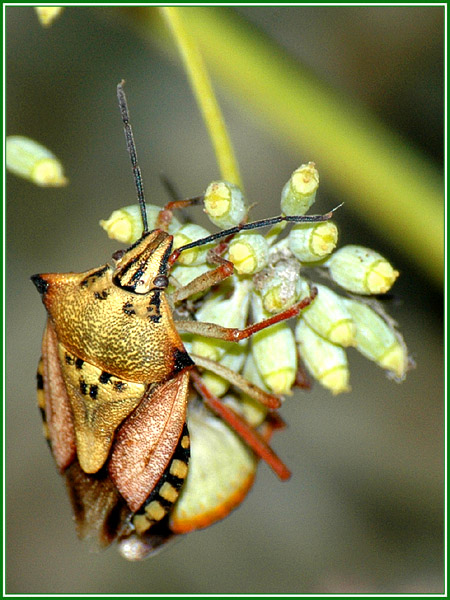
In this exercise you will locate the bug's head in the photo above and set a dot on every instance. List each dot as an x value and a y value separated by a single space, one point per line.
143 267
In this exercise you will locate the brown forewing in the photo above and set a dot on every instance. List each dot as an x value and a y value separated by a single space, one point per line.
58 412
146 441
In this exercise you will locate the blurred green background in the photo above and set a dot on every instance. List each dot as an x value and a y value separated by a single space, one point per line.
363 512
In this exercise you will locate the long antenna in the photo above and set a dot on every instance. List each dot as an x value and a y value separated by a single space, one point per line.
131 147
257 225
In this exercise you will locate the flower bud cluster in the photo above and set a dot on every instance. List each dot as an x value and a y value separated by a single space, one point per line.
272 274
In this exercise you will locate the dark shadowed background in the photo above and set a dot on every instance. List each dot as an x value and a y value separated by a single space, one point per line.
363 511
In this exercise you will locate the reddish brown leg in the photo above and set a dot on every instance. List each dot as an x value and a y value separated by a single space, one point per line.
230 334
165 214
251 437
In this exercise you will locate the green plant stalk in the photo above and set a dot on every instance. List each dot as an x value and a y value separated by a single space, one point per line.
399 191
204 94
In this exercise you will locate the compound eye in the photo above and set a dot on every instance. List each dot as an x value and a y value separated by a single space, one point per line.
161 281
118 255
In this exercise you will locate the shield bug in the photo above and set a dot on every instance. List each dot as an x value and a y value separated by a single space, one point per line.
115 381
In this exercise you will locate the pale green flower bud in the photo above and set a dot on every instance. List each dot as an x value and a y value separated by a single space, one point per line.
377 340
279 293
248 252
233 359
227 307
361 270
125 224
47 14
224 204
274 352
190 233
30 160
251 373
216 384
313 241
253 411
325 361
279 284
299 193
329 317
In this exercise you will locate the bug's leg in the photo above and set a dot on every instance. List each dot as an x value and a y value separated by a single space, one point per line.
165 214
302 379
206 280
238 381
231 334
249 435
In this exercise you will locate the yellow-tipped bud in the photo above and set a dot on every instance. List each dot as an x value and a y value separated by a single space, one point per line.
125 224
253 411
215 383
224 204
30 160
299 193
47 14
280 284
361 270
274 352
190 233
377 340
248 252
313 241
273 297
279 294
325 361
329 317
233 358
